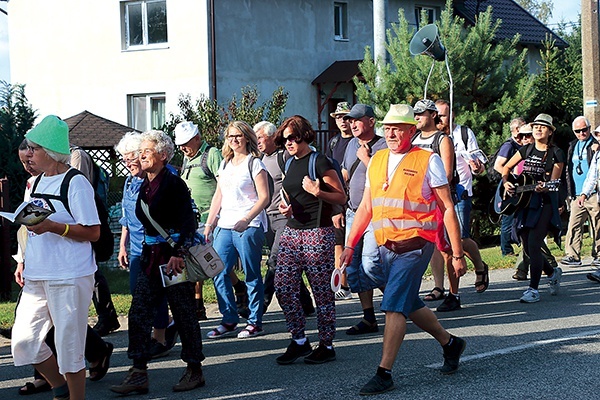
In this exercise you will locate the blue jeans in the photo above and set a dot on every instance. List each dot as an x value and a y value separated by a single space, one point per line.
365 272
463 212
246 245
506 235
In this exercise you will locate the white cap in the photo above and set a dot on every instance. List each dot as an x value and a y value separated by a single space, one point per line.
597 129
184 132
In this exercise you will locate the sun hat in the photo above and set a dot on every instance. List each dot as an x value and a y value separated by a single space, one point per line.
543 119
184 132
597 129
527 128
341 109
423 105
52 134
359 111
400 114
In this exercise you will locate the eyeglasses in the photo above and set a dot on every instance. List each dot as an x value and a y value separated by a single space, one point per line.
236 137
129 160
147 152
33 148
525 135
582 130
292 138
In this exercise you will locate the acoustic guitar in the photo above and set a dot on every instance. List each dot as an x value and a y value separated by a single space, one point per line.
524 187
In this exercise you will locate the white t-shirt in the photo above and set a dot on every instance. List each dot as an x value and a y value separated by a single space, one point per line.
238 193
462 165
434 177
51 257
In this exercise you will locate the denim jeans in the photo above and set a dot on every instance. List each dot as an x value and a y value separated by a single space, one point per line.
506 235
246 245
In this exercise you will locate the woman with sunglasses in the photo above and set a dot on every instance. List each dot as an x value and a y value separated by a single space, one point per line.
307 242
239 203
543 162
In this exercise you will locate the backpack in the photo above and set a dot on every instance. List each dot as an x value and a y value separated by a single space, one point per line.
101 182
105 245
436 149
493 175
202 164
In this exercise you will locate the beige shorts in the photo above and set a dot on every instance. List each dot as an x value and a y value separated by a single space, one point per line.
63 304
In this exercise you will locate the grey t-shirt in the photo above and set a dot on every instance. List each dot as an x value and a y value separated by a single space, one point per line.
356 186
273 168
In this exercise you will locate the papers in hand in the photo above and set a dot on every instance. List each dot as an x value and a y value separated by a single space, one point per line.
473 155
171 279
27 214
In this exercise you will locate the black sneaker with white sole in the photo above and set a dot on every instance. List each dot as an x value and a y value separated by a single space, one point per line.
294 352
452 353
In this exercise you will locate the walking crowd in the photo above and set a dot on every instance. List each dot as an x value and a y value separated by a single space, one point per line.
380 208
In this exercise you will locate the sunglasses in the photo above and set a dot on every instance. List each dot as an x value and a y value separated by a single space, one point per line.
524 135
581 130
292 138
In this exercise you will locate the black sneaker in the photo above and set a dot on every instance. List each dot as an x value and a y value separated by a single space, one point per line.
104 327
451 303
293 352
452 355
377 385
320 355
158 349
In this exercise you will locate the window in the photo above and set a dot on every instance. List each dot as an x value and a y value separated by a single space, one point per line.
340 21
146 111
145 23
429 11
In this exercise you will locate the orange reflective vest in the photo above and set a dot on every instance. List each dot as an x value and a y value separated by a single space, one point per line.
399 210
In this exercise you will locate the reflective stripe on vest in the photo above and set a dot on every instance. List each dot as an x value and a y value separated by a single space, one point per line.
401 212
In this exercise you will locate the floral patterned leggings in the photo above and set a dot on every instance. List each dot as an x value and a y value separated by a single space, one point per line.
311 251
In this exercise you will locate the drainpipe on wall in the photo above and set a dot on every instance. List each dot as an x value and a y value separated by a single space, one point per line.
379 24
213 52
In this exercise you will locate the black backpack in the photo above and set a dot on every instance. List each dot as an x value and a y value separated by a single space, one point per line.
493 175
105 245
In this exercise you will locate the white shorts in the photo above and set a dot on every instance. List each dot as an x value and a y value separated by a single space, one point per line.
63 304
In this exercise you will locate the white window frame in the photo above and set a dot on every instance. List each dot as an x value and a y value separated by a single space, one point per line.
419 8
132 118
125 26
340 16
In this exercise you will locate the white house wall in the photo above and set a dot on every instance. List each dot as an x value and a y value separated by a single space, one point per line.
69 54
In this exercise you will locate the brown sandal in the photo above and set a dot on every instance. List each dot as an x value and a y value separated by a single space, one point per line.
435 294
485 280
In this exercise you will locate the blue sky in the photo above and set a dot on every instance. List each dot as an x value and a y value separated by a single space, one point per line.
564 10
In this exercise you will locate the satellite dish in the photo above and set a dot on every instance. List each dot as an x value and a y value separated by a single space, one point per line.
427 41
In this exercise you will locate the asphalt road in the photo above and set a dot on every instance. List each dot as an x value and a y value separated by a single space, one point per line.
546 350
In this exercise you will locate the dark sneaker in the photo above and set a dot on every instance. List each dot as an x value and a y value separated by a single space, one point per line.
452 355
190 380
451 303
377 385
570 260
135 381
594 276
158 349
520 275
201 314
293 352
104 327
320 355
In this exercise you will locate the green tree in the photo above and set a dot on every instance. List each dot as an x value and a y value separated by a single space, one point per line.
541 9
16 118
212 118
491 80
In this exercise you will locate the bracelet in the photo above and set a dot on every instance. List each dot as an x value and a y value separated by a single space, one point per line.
207 224
348 247
66 230
458 258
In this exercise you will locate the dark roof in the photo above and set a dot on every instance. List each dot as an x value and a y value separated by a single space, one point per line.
93 132
515 19
339 71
